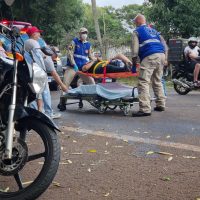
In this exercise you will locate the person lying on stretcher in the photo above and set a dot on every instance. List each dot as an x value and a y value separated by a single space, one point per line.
120 63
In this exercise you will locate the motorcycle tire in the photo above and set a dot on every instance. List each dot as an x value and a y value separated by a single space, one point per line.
51 157
181 90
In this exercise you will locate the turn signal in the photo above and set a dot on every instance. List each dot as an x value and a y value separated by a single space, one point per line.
19 57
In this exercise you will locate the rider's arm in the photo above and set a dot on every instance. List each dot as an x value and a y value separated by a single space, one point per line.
192 55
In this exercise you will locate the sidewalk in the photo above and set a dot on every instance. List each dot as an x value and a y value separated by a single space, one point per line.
96 168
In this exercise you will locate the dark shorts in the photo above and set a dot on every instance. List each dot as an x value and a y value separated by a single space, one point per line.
191 66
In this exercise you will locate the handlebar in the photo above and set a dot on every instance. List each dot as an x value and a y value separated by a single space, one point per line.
5 26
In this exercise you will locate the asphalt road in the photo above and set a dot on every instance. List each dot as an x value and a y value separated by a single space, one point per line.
179 123
153 158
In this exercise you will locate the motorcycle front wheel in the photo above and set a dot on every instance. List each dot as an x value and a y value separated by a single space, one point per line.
181 90
35 161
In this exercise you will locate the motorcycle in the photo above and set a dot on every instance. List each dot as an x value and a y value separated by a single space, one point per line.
29 146
182 78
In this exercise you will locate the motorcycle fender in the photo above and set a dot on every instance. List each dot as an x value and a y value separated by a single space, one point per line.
26 112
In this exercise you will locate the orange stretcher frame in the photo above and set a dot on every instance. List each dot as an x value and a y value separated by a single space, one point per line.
111 75
105 75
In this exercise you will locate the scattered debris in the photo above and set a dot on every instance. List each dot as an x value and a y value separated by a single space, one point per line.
106 195
170 158
106 152
56 184
27 183
165 178
118 146
92 151
69 161
193 157
164 153
78 153
150 152
89 170
5 190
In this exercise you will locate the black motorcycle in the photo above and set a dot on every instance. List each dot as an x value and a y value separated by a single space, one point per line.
29 146
182 78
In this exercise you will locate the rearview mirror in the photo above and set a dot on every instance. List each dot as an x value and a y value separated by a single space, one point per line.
9 2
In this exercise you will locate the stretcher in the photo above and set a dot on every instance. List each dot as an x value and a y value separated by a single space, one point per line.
104 96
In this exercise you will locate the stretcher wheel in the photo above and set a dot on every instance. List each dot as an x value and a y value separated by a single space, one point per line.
102 109
112 108
80 104
126 109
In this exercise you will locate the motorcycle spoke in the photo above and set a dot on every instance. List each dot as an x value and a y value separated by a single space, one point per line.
18 181
36 156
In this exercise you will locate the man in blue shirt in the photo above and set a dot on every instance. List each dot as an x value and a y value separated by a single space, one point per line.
78 54
150 47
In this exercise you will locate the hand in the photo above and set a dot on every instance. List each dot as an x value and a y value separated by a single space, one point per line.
75 68
166 63
129 63
64 88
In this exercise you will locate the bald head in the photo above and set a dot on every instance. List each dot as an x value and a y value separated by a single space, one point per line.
139 20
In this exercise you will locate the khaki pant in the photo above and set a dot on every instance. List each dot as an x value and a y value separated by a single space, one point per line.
151 70
70 74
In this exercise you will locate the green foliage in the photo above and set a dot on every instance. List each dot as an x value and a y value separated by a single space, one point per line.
113 25
175 17
55 17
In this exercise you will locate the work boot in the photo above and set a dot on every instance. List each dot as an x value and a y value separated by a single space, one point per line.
140 114
159 108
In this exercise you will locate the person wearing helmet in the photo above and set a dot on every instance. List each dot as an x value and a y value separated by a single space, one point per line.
78 54
191 53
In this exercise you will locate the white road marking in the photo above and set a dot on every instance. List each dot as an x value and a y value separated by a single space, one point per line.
135 139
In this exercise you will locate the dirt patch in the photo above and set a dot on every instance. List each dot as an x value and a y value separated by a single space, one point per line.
96 168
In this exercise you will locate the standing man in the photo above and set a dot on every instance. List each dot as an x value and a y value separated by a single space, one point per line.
149 46
32 43
78 54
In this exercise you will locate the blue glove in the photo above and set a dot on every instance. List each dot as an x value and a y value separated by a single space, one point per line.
75 68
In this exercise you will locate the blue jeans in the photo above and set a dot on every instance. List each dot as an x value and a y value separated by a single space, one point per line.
46 97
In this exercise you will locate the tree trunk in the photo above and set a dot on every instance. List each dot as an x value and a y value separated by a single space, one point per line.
96 24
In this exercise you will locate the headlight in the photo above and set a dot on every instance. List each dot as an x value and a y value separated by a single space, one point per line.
39 79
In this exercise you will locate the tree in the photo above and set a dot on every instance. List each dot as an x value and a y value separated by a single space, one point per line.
175 17
55 17
96 25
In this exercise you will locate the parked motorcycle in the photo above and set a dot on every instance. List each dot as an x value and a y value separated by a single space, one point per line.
183 79
29 146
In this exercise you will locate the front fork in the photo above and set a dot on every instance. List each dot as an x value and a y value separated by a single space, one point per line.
11 123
